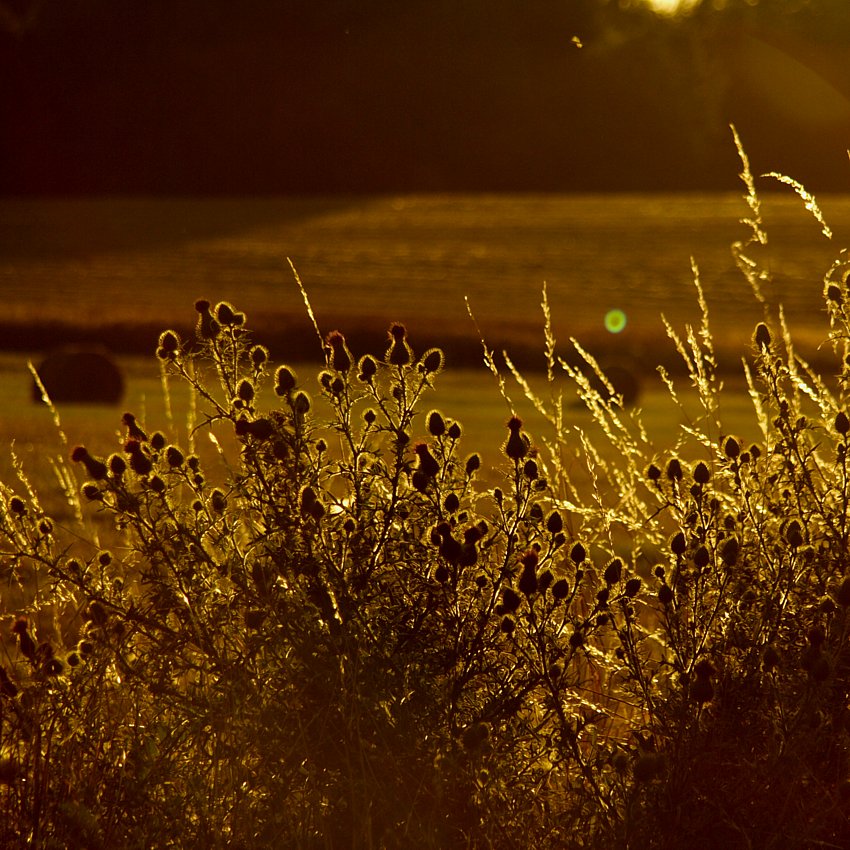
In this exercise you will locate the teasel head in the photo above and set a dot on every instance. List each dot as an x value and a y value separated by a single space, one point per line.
632 587
472 465
301 404
510 600
731 448
436 424
134 431
228 316
117 466
613 571
339 358
674 470
91 491
245 393
95 468
259 355
702 474
207 327
431 362
449 547
678 544
517 445
174 457
399 352
832 292
368 367
561 589
140 463
218 501
528 583
169 345
427 462
729 550
762 338
285 380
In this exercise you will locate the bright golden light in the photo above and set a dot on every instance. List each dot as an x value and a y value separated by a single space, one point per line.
671 7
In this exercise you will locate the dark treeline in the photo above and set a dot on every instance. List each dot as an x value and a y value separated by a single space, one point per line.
116 96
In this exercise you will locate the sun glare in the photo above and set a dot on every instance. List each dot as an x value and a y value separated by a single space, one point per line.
670 7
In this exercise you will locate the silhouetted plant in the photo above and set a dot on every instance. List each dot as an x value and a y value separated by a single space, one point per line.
354 634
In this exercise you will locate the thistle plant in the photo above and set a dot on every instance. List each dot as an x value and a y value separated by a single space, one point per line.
336 626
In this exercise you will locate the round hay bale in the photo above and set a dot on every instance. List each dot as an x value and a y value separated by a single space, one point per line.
78 376
625 382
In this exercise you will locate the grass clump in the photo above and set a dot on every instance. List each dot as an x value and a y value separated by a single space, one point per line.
350 631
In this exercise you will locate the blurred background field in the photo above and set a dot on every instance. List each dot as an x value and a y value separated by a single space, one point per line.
112 273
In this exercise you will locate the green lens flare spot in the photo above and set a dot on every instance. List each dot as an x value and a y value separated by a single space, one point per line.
615 321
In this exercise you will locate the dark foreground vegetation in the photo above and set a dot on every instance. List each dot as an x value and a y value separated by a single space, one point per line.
360 637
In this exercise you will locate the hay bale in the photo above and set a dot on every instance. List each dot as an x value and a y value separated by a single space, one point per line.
78 376
624 380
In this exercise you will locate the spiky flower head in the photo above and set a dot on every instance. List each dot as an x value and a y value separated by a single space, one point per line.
134 430
368 368
95 468
174 457
427 462
227 315
436 424
259 356
432 361
168 346
245 391
399 353
731 448
208 327
762 337
613 571
339 357
561 589
218 501
140 463
301 404
833 293
702 474
516 447
674 470
285 380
